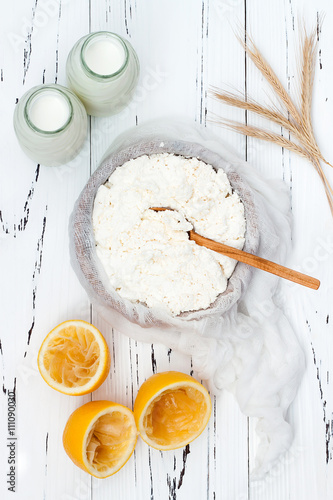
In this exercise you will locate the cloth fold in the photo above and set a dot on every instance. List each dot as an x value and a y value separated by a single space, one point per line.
249 348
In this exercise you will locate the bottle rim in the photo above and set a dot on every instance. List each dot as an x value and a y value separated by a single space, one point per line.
105 34
48 88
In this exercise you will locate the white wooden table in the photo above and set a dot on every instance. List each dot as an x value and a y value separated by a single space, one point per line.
184 47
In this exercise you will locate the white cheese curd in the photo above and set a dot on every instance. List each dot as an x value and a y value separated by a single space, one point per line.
147 255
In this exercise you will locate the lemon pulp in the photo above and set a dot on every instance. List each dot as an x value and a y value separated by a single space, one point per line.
72 356
108 441
175 416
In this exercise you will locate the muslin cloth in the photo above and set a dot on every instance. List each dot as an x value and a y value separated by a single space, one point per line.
243 343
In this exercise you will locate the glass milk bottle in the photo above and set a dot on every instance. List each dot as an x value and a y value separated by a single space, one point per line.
50 123
103 70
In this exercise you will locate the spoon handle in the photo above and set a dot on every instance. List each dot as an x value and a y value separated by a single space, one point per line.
255 261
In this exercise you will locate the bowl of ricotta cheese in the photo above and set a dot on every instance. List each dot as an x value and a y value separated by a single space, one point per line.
131 256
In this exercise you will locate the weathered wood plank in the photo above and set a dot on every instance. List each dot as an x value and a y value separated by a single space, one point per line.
312 225
41 289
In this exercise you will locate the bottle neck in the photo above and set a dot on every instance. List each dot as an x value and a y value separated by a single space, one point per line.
48 110
104 56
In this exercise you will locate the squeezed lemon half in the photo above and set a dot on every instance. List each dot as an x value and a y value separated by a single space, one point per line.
74 358
171 410
100 437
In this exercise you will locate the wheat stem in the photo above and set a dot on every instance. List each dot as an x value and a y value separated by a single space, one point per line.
327 163
327 186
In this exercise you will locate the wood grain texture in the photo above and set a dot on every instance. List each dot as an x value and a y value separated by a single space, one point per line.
184 48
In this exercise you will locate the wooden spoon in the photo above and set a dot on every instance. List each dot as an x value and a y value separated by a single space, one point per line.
252 260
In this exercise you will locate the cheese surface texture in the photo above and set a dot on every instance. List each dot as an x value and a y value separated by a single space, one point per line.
147 255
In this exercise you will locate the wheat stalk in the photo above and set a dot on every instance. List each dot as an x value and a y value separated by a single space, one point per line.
294 118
